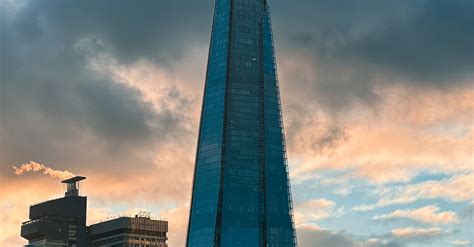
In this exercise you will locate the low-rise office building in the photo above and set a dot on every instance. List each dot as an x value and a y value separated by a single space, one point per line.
140 231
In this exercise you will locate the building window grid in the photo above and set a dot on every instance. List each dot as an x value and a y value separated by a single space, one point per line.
268 66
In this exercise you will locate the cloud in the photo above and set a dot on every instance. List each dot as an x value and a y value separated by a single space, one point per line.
457 188
354 48
316 132
44 107
468 212
144 33
36 167
461 243
311 235
404 136
16 195
341 186
156 84
429 215
425 47
133 118
363 207
320 237
417 233
314 210
318 203
116 94
178 224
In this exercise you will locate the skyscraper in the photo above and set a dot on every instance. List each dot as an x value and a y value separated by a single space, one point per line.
241 192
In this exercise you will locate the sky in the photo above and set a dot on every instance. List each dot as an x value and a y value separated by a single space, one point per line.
377 101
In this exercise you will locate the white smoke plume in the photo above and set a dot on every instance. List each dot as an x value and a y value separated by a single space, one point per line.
36 167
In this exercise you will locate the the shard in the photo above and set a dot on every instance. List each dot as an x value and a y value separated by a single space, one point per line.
241 191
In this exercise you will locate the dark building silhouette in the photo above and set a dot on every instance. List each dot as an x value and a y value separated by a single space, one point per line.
241 190
62 223
58 222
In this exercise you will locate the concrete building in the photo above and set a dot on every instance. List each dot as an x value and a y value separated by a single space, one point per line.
59 222
140 230
62 223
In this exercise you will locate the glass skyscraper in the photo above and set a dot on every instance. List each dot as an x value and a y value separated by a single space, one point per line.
241 192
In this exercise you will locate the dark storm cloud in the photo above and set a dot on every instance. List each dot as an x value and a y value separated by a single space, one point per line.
158 30
426 43
320 135
359 45
435 47
51 101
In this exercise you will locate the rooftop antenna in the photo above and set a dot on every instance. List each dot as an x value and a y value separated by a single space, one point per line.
72 186
143 214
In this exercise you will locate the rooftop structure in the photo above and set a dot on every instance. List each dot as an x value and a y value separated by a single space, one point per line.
73 185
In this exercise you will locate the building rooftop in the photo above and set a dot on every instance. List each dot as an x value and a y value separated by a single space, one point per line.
73 179
124 222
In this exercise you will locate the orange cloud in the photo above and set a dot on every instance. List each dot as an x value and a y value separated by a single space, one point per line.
402 136
16 195
178 224
429 214
317 209
412 130
158 85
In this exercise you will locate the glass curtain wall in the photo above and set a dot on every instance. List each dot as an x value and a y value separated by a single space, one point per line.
241 192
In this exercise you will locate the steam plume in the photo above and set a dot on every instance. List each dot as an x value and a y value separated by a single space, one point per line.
36 167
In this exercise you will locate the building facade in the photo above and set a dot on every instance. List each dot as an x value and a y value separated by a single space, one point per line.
60 222
241 190
138 231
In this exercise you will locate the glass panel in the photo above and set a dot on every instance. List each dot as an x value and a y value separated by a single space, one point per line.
203 213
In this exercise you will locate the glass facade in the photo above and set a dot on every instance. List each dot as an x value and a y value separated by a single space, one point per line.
241 192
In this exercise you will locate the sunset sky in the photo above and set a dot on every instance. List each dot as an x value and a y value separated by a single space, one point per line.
377 96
